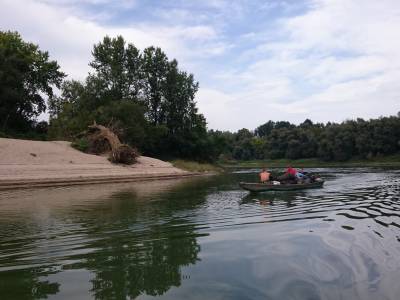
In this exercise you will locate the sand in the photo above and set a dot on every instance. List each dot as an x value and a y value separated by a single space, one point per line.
25 163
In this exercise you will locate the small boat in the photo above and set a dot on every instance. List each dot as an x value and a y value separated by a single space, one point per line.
264 187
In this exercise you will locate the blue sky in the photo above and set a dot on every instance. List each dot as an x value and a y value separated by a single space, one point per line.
327 60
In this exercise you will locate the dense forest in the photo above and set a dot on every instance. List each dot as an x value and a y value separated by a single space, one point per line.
149 102
329 142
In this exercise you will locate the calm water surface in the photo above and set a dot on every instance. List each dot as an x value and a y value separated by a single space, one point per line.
204 238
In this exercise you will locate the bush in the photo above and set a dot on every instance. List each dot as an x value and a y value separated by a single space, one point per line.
81 144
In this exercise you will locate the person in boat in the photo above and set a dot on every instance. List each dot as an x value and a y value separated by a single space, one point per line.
265 176
304 177
300 177
303 172
289 176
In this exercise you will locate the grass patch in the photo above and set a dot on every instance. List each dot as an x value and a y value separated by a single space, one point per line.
193 166
385 161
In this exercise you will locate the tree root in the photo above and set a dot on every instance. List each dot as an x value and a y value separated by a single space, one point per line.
102 140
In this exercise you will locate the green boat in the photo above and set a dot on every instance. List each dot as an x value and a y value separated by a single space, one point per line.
264 187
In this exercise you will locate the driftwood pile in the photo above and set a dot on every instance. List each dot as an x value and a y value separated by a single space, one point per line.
101 140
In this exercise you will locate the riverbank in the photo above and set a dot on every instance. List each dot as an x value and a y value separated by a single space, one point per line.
193 166
26 163
388 161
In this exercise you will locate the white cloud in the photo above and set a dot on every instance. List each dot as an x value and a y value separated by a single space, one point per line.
113 3
70 38
213 104
339 59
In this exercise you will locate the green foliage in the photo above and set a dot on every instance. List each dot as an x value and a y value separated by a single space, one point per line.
126 118
384 161
331 142
221 144
27 76
143 96
81 144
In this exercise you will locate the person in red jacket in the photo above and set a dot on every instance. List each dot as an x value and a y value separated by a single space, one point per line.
291 171
290 175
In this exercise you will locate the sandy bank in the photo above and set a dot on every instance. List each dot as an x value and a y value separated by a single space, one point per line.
26 163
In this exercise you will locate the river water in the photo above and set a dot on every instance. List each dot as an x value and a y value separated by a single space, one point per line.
204 238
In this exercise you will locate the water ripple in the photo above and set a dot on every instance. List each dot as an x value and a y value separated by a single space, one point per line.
344 235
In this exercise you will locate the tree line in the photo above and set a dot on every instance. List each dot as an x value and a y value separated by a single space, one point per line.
149 102
363 139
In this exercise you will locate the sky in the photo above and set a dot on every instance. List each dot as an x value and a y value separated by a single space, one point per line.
326 60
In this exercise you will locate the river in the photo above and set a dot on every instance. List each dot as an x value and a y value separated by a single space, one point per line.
204 238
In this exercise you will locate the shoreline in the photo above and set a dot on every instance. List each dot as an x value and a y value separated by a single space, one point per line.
384 162
10 184
30 164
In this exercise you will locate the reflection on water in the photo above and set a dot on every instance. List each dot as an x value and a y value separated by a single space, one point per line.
204 238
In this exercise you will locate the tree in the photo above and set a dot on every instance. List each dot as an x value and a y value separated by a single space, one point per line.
117 68
143 95
155 68
27 77
265 129
221 144
294 149
283 124
306 124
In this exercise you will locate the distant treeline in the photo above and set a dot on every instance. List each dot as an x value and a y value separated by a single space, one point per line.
149 102
330 142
